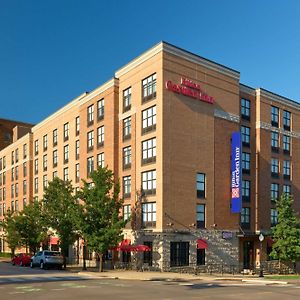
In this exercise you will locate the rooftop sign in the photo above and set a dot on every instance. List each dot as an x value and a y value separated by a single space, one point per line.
189 88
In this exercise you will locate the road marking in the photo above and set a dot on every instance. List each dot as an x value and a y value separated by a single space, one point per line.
23 287
78 286
19 292
57 289
185 283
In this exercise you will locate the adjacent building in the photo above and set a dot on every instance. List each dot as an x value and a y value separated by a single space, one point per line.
164 125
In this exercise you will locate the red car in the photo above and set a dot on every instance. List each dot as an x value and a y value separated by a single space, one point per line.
21 259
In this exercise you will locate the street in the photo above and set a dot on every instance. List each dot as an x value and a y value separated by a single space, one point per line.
25 283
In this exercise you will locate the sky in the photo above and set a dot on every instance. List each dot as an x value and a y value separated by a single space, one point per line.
51 51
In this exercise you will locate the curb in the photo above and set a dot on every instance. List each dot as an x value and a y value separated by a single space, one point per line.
265 282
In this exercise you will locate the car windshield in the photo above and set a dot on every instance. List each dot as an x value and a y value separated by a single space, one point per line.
51 253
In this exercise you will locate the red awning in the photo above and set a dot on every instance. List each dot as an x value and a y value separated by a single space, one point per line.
201 244
54 240
140 248
126 247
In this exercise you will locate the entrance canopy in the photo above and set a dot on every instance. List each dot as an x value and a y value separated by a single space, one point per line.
54 240
125 246
201 244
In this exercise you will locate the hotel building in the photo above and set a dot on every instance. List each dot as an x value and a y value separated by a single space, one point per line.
164 125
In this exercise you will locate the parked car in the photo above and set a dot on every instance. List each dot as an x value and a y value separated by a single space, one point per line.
21 259
45 259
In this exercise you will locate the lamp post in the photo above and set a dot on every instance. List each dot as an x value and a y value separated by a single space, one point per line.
261 238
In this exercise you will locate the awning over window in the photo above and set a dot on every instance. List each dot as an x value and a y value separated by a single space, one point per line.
201 244
54 240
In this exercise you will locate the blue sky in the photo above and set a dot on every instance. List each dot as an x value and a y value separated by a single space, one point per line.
53 50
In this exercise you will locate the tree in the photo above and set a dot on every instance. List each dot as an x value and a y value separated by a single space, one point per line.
31 227
61 211
12 236
101 224
286 233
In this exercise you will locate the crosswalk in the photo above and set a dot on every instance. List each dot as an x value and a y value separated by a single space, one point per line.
24 279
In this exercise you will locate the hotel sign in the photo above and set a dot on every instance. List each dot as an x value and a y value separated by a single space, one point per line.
236 173
189 88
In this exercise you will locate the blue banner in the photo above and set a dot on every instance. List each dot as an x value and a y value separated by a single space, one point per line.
236 173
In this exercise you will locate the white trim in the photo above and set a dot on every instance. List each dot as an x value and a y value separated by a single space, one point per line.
269 127
247 90
226 116
127 114
282 100
162 46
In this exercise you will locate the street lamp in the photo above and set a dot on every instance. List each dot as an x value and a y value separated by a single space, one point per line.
261 238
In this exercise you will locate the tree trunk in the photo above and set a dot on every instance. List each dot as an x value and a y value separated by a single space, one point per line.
100 262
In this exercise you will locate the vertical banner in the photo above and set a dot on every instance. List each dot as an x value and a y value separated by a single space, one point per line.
236 173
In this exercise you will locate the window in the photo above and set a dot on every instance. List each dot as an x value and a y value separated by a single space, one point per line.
126 157
54 137
100 109
66 174
36 147
77 126
12 157
1 194
17 172
45 142
179 255
200 257
24 169
245 109
17 189
12 174
100 136
149 88
77 149
55 158
274 141
127 99
274 217
286 144
245 218
90 165
149 119
127 128
149 214
126 212
12 190
100 160
200 215
17 205
200 185
17 155
12 206
126 186
286 120
54 174
36 166
24 151
246 190
77 176
274 116
148 255
45 162
274 167
24 202
66 131
90 115
149 182
45 182
4 162
274 191
4 177
245 132
287 189
286 169
24 187
66 154
1 166
246 163
4 194
90 140
149 151
36 185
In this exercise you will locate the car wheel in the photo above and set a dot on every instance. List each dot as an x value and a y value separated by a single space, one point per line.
42 266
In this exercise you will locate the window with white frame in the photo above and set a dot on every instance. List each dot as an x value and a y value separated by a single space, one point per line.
149 182
286 169
77 149
127 99
66 174
286 141
45 142
36 166
55 137
17 172
200 216
149 214
286 120
274 141
126 212
24 151
127 157
274 116
77 175
126 186
66 131
17 189
36 184
274 191
100 109
45 162
90 115
100 136
77 125
149 119
55 158
24 187
200 185
36 147
127 128
45 181
100 160
149 151
66 154
149 87
90 140
275 167
90 165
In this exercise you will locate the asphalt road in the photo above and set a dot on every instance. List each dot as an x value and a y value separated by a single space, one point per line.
25 283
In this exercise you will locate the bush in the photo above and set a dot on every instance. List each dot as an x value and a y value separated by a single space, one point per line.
5 254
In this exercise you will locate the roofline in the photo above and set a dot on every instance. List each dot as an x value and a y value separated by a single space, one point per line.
247 89
169 48
17 142
20 122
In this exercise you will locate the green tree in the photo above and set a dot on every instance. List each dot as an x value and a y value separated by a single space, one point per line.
286 233
12 236
61 211
31 226
101 224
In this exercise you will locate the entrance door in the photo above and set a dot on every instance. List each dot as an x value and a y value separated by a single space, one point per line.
248 255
